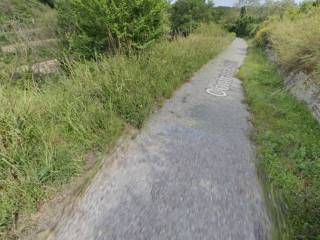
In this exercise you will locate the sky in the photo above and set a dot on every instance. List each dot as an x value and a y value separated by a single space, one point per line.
231 3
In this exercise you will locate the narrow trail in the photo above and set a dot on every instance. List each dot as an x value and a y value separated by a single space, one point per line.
189 174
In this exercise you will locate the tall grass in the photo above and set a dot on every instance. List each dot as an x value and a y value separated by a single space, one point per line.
46 131
28 28
296 40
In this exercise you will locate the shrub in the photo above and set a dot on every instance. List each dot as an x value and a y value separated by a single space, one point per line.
244 25
308 6
262 37
186 15
98 26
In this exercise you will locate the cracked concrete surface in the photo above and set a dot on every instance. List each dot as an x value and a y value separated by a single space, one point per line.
189 174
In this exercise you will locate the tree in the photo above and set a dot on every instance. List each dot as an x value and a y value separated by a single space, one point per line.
91 26
186 15
243 12
244 25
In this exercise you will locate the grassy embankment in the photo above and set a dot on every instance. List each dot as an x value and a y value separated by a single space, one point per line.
288 149
295 38
287 135
47 129
29 29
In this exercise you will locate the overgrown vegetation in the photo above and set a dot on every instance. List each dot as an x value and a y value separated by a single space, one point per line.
245 25
28 28
295 37
120 63
287 135
94 26
47 128
187 15
288 141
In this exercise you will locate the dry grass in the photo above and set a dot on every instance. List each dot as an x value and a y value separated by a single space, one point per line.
297 42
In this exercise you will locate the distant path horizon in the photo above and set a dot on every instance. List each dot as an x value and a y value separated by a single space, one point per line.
189 174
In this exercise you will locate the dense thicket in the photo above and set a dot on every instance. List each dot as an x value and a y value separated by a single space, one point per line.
98 26
186 15
244 25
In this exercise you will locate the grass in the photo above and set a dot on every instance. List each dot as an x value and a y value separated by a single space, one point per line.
22 23
46 130
288 149
20 12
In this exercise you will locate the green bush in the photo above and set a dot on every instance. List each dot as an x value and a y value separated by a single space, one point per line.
244 25
98 26
186 15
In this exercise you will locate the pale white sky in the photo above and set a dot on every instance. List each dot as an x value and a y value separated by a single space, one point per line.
231 3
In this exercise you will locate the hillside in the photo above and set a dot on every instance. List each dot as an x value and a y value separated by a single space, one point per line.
22 14
26 27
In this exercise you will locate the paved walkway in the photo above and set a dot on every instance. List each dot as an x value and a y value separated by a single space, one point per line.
190 173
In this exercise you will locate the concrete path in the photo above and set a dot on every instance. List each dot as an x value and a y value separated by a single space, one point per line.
190 173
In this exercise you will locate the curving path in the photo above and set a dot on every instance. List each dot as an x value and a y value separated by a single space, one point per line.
189 174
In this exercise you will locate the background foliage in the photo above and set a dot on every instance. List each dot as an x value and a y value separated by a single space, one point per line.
186 15
295 37
245 25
